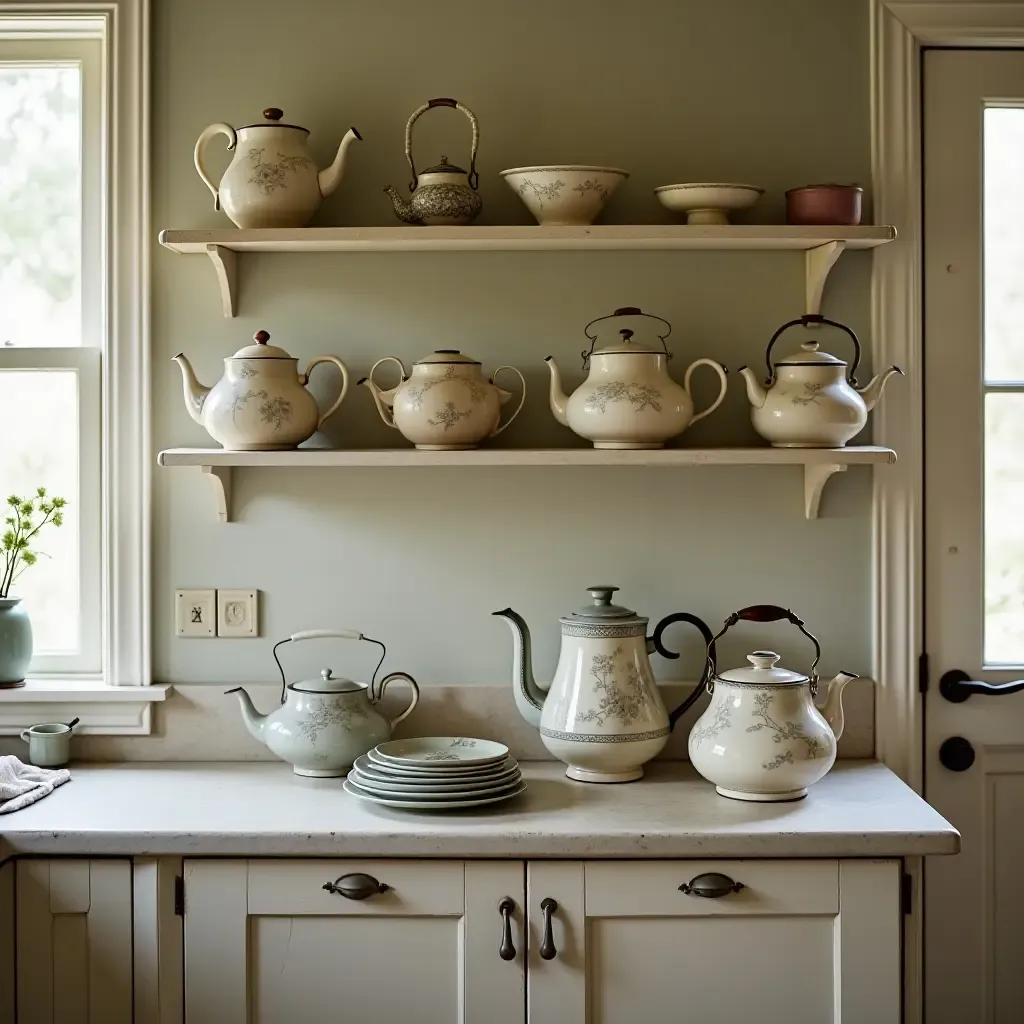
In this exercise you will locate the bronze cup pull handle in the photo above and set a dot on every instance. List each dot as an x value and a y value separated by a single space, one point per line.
711 885
356 886
547 943
507 950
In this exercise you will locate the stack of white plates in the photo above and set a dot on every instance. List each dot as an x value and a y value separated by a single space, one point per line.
436 773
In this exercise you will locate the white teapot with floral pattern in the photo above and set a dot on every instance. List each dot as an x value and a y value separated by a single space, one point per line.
762 737
629 400
324 724
602 715
262 402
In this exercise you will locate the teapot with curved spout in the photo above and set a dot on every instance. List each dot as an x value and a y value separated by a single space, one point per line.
272 181
810 399
762 737
444 194
262 402
602 714
323 725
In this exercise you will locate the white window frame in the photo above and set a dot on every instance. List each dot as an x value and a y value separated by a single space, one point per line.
120 701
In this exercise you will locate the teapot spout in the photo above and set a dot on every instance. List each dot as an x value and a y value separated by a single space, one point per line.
557 397
833 707
195 393
872 391
756 393
402 208
254 721
528 695
330 177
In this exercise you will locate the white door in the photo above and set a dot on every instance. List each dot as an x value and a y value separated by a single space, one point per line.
267 943
801 942
974 530
74 941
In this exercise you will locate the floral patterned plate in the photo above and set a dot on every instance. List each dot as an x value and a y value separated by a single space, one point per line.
430 805
441 771
441 752
504 772
464 792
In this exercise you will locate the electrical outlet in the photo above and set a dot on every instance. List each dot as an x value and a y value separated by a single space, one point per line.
195 613
237 613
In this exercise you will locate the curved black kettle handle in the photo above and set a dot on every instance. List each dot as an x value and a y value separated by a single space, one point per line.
709 641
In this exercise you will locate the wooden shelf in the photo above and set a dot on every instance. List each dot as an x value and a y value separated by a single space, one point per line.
822 245
819 464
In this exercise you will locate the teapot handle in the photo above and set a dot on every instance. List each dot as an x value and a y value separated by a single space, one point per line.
405 678
655 643
522 398
321 634
806 320
765 613
344 384
443 101
721 371
211 130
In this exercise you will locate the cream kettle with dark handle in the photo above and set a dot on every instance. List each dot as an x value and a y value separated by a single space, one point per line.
324 724
762 737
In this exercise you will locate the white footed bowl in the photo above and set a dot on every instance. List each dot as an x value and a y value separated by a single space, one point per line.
572 194
707 203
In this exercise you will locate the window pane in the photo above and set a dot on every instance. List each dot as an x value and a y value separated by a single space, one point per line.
1004 529
40 449
40 205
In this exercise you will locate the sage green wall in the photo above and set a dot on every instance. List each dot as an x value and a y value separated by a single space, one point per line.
734 90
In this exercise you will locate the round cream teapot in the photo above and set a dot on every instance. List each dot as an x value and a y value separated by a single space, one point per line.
261 403
628 399
272 181
762 738
809 400
447 404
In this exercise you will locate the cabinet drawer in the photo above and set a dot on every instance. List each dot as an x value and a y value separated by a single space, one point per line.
651 888
416 889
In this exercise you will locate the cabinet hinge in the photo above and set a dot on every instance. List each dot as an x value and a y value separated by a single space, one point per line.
906 892
922 672
179 896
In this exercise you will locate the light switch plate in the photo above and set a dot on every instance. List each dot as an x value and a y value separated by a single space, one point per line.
195 613
237 613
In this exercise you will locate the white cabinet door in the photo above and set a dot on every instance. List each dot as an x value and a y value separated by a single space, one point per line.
265 943
74 941
803 942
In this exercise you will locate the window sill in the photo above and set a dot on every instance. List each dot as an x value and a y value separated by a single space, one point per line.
104 710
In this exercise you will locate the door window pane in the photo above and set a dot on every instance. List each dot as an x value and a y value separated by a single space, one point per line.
40 449
40 205
1004 529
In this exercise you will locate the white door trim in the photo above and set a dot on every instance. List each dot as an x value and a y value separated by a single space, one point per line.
899 30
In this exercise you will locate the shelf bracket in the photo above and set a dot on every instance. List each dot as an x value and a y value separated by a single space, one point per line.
221 477
817 264
225 264
816 475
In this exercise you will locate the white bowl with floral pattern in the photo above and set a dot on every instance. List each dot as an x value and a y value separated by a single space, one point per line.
568 195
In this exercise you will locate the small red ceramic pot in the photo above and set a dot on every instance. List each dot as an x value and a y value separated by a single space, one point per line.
824 204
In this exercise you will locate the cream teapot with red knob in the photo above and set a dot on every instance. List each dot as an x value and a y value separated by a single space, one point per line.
262 402
628 399
810 398
762 737
272 181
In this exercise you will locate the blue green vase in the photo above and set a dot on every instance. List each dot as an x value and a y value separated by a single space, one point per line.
15 642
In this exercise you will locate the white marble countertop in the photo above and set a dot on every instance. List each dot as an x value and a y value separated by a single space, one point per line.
860 809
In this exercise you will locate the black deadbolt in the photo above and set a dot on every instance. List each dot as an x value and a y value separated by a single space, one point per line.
956 754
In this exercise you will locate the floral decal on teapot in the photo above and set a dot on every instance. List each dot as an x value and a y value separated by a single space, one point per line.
643 396
622 700
782 732
477 390
325 715
720 720
277 410
268 177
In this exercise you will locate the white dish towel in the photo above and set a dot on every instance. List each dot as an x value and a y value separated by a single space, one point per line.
24 784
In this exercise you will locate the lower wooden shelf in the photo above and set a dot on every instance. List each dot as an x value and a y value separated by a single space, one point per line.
819 464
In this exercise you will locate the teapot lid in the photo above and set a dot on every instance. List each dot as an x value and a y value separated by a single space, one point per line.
810 356
273 116
447 355
327 683
601 610
763 672
627 345
444 168
261 350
